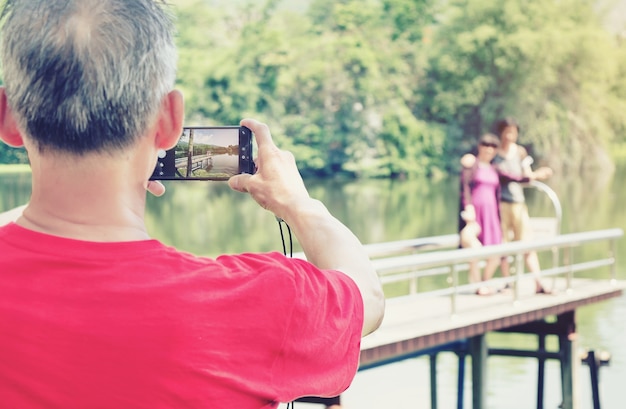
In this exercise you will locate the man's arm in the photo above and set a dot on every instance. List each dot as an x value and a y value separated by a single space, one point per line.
328 244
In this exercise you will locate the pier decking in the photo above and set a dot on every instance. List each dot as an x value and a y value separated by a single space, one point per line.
418 323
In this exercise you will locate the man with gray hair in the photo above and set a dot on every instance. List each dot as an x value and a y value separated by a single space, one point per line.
94 312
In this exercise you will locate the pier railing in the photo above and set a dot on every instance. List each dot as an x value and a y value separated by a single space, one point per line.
446 264
439 313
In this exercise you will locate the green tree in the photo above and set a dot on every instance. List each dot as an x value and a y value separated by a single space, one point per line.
355 81
336 85
549 63
400 88
10 155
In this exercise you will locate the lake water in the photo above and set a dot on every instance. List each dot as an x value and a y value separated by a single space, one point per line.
208 218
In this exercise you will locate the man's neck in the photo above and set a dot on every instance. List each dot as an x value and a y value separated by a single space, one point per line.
100 202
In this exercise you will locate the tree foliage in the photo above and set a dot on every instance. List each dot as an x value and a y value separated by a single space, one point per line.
549 63
399 88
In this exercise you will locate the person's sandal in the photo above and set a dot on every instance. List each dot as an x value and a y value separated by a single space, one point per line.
542 290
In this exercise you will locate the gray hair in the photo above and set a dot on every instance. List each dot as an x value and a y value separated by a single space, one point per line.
86 75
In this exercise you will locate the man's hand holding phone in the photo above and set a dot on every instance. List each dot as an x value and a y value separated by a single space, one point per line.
276 185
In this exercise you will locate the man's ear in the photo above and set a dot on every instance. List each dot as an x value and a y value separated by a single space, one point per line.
170 122
8 127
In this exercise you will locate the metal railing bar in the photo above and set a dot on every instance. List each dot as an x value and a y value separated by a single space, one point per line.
407 275
394 278
471 287
434 259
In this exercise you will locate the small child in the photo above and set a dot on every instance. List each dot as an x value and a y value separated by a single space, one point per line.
469 234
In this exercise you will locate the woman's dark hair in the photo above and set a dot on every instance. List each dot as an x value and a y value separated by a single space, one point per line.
505 123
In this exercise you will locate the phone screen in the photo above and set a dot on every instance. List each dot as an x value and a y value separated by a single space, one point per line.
207 153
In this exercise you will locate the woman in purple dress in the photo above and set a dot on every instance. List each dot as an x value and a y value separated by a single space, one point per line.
479 203
480 215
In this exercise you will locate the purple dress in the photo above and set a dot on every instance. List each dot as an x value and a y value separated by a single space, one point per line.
481 187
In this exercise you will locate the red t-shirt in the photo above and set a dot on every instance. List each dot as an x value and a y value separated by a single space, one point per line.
142 325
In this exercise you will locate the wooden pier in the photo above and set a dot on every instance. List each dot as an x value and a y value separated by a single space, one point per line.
455 319
419 323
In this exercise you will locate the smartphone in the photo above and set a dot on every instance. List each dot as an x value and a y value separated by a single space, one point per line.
207 153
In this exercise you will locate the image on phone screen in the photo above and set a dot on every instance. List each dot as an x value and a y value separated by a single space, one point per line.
207 153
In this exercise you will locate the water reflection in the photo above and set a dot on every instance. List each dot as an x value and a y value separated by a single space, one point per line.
209 218
14 189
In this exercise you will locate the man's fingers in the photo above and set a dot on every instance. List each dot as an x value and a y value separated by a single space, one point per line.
239 182
156 188
261 132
